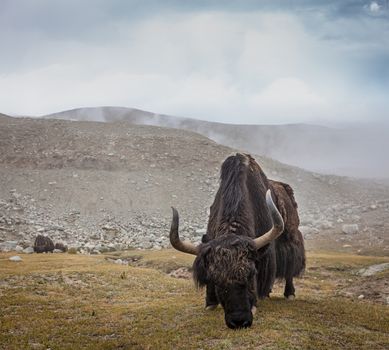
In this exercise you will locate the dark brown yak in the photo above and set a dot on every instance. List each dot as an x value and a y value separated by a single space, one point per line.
43 244
247 244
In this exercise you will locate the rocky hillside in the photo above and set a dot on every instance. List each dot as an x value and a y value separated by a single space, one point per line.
351 149
103 186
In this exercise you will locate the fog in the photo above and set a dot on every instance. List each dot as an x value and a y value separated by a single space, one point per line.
348 149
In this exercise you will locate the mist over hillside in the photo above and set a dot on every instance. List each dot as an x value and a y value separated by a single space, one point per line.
356 150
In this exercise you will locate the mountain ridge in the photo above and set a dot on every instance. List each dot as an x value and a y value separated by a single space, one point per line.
354 151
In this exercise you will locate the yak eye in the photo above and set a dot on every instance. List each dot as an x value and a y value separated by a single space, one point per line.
223 291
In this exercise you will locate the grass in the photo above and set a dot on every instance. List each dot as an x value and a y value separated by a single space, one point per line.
62 301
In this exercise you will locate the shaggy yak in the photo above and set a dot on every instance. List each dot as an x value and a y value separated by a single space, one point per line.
43 244
249 242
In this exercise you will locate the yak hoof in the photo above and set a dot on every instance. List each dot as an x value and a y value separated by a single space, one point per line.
290 297
210 307
254 310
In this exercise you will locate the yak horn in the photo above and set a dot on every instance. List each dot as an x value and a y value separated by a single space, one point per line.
278 224
185 247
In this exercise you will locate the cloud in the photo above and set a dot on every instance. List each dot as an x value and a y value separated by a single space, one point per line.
286 93
374 7
221 62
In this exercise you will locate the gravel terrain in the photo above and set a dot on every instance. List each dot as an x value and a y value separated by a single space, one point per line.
105 186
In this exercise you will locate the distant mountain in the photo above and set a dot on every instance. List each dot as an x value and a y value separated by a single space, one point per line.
357 150
4 116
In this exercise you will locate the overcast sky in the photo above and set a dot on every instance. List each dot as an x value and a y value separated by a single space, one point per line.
232 61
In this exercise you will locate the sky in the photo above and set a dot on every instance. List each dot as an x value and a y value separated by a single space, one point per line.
257 62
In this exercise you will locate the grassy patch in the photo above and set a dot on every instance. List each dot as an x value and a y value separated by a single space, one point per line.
63 301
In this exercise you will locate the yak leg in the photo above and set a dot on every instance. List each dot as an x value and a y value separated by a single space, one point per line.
211 301
289 289
290 260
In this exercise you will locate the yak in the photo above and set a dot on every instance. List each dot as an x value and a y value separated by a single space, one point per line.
249 241
43 244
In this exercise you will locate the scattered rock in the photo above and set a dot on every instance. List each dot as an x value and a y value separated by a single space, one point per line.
373 269
15 258
182 272
325 225
121 262
350 229
60 246
18 249
201 231
72 250
28 250
307 230
8 246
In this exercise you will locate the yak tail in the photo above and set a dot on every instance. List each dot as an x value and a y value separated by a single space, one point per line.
290 258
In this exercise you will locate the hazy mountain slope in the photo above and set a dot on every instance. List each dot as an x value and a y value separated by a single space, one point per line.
4 116
115 182
354 150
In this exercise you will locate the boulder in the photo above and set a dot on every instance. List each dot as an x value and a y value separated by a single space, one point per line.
373 269
15 258
61 246
350 229
8 246
28 250
43 244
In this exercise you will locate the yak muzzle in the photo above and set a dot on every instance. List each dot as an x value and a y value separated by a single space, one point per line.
239 320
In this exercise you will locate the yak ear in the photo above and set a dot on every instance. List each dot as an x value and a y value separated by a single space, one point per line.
200 267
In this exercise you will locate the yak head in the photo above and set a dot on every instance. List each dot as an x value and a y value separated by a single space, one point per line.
227 265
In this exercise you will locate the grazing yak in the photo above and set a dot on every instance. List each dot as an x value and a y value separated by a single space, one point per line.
249 242
43 244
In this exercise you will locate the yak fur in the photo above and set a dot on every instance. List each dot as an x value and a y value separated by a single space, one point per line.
227 255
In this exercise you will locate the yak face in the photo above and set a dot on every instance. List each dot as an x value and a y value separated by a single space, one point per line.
228 264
